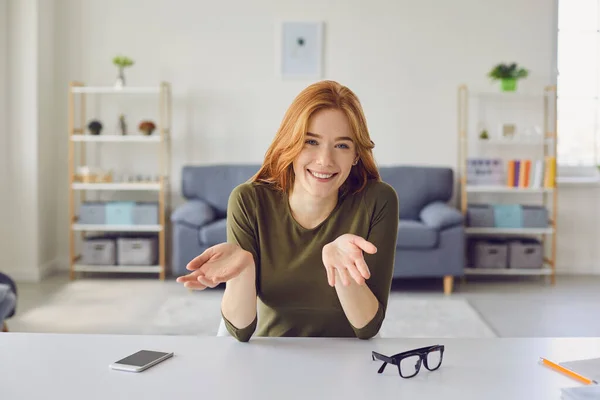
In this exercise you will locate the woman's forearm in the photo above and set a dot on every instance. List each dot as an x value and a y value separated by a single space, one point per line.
358 301
239 299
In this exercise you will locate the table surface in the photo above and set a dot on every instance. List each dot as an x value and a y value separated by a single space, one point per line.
76 366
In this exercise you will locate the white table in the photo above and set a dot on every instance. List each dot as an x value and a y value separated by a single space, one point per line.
64 366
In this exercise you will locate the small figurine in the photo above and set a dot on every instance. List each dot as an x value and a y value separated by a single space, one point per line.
123 124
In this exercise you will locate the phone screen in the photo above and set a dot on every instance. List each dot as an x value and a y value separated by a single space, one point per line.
141 358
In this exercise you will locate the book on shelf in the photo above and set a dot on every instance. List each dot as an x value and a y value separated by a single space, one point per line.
527 173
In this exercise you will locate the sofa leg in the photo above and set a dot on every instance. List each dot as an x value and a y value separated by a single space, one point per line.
448 283
4 327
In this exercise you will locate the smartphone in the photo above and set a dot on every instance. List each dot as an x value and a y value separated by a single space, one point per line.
143 359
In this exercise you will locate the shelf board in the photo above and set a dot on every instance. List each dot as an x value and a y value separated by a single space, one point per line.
505 189
578 180
509 231
117 228
117 268
508 271
117 186
113 90
116 138
519 142
516 95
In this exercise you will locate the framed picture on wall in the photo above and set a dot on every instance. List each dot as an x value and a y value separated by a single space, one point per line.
301 49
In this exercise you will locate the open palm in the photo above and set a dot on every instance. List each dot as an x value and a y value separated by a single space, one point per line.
216 265
344 257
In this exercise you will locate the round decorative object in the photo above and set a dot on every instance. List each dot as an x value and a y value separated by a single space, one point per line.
95 127
147 127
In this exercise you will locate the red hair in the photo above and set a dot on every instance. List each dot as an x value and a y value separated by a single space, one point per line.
277 168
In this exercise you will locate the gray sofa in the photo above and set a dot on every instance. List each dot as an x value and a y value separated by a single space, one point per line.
430 232
8 300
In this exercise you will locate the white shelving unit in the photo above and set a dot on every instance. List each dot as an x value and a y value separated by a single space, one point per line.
79 139
116 139
547 141
118 268
125 186
505 189
116 228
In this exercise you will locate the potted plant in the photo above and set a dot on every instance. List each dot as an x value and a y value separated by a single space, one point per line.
508 74
147 127
122 62
95 127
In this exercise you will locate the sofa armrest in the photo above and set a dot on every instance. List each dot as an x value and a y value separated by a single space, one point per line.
440 215
194 213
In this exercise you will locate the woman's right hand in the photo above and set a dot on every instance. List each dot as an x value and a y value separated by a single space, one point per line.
216 265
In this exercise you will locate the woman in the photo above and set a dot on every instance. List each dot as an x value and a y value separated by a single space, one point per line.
312 234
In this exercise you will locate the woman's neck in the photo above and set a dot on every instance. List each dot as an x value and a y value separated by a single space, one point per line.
310 211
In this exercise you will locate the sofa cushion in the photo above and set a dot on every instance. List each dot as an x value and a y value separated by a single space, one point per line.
213 233
193 213
414 234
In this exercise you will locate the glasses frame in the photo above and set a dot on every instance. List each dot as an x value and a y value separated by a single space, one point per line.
397 358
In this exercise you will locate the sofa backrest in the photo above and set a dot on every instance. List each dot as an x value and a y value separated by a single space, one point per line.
418 186
214 183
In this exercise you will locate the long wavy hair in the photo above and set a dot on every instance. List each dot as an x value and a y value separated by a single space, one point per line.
277 168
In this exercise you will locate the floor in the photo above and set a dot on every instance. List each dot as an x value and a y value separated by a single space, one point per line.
511 306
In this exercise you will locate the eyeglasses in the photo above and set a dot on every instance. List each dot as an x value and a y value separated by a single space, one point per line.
409 362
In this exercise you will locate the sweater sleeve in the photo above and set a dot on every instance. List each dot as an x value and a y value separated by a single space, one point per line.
383 234
241 230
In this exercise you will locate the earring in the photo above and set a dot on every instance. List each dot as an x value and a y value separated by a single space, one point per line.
355 162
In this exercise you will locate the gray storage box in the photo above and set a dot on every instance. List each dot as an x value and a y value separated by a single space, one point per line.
99 251
480 215
488 253
92 213
525 253
145 214
137 251
535 217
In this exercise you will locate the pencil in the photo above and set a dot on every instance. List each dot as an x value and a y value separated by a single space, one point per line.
566 371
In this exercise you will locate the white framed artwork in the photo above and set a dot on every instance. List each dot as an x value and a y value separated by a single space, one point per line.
301 49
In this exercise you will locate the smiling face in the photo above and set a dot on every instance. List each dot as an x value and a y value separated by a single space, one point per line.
328 155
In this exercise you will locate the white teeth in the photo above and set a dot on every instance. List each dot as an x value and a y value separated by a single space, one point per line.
322 176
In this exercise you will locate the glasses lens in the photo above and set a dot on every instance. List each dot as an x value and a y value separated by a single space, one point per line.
409 366
434 359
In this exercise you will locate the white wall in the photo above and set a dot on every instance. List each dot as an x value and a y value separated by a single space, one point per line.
22 244
4 190
29 201
47 137
403 58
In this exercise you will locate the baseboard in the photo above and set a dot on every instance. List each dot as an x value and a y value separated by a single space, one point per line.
23 274
48 268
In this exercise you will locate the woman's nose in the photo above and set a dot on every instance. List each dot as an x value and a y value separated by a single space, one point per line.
325 157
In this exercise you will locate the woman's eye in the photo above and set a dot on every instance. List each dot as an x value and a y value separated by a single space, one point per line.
311 142
344 146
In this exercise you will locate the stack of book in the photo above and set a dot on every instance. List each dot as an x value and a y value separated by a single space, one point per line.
526 173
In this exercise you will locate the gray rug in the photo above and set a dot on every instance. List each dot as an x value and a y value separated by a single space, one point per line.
165 308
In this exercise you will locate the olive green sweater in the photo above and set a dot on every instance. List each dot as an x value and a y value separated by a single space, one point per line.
294 298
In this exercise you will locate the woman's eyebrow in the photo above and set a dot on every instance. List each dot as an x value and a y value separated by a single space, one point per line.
336 139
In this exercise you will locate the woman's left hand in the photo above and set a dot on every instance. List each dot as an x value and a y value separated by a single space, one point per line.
345 256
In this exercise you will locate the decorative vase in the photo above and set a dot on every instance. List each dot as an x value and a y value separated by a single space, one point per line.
120 83
509 84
